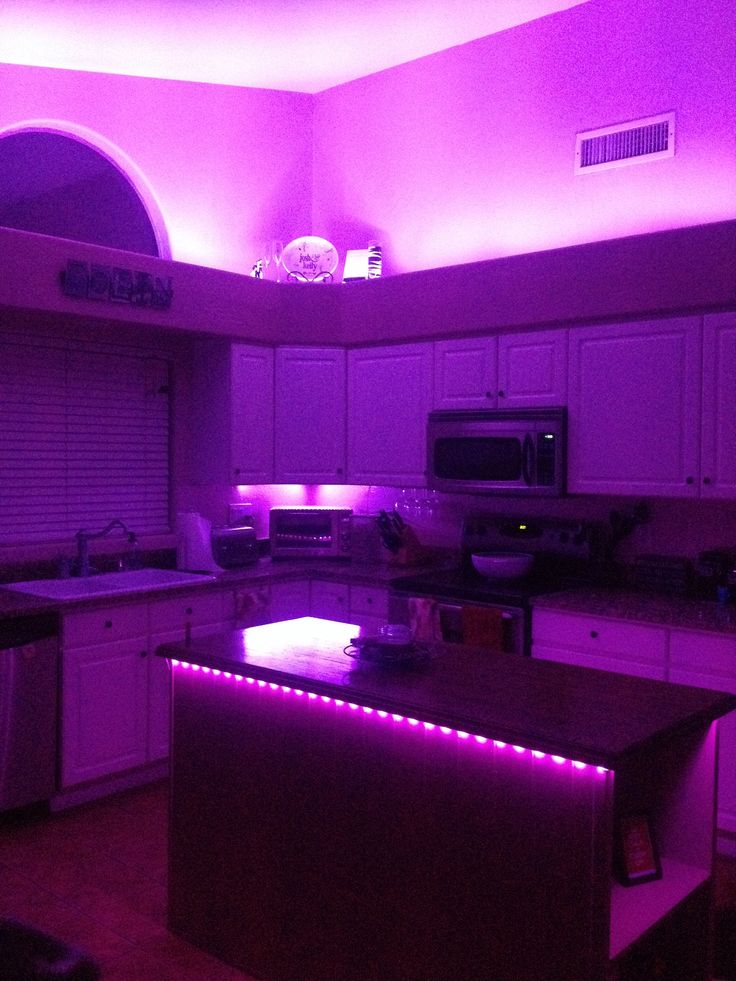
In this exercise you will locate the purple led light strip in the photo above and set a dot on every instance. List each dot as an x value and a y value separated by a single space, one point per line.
394 717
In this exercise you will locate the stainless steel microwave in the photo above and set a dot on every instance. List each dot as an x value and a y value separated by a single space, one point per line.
310 532
498 451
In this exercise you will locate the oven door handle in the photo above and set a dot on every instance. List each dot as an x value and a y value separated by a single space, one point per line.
457 607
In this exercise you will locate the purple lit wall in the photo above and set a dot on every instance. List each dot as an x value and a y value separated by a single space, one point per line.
227 166
469 154
456 157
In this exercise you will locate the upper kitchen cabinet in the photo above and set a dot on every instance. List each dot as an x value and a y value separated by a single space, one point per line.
310 415
508 371
718 446
466 373
389 398
251 414
634 408
226 401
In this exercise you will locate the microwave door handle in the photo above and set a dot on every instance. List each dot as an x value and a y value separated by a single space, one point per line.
528 461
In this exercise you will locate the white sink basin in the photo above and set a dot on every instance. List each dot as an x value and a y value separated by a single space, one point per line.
109 583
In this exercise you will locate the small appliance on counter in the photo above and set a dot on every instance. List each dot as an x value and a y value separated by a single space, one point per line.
202 548
310 532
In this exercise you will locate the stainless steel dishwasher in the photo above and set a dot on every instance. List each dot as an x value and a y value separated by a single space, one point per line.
28 709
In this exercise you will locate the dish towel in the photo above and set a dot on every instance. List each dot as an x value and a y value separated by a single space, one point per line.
424 620
482 627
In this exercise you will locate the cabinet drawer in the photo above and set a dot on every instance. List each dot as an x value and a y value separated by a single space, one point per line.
632 641
329 599
706 654
195 609
104 625
369 601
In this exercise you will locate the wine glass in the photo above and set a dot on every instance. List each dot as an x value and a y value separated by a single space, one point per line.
277 253
266 258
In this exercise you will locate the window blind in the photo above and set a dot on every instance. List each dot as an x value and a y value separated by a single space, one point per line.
84 438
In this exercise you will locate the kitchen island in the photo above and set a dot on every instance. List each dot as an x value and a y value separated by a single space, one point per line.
456 818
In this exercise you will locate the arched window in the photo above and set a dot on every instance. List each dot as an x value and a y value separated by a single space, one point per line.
60 185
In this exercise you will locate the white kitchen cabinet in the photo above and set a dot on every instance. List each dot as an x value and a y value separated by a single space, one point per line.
251 414
104 692
289 600
173 620
466 373
532 369
512 370
718 433
598 642
389 398
310 415
330 600
114 690
634 408
368 607
709 661
227 406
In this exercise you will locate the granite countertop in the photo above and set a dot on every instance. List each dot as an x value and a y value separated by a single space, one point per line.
650 608
591 716
260 573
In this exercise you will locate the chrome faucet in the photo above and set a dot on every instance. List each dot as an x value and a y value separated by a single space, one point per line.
83 539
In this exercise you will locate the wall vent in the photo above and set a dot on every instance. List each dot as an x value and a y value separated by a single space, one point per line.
626 143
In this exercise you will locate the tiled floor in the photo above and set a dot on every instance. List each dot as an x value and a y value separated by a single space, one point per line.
95 878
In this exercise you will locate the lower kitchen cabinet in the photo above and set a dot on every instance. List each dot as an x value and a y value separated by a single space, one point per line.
289 600
104 692
114 693
366 606
709 661
597 642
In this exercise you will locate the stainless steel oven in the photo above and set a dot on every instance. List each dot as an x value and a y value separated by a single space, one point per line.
457 605
453 621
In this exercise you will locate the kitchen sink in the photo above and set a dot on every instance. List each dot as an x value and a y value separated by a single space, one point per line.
109 583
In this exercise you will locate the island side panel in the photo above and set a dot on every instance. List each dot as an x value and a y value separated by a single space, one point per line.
310 840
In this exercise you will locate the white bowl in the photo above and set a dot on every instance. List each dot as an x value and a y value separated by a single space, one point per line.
502 565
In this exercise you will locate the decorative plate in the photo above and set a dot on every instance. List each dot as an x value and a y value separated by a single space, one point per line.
310 259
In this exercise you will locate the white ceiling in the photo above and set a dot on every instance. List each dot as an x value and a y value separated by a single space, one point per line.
295 45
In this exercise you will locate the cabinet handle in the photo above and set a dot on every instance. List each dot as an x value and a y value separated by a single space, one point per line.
706 480
501 394
188 611
593 634
339 470
108 624
689 480
144 653
490 395
369 601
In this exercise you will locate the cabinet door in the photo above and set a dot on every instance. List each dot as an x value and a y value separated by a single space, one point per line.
330 600
532 369
289 600
251 420
709 661
104 707
465 374
634 408
389 398
310 415
718 456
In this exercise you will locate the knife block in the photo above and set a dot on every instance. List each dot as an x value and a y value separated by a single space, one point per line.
411 551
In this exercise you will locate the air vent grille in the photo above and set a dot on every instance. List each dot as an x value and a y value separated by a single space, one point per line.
626 143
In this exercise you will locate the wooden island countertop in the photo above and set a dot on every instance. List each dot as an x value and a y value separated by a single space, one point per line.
592 716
